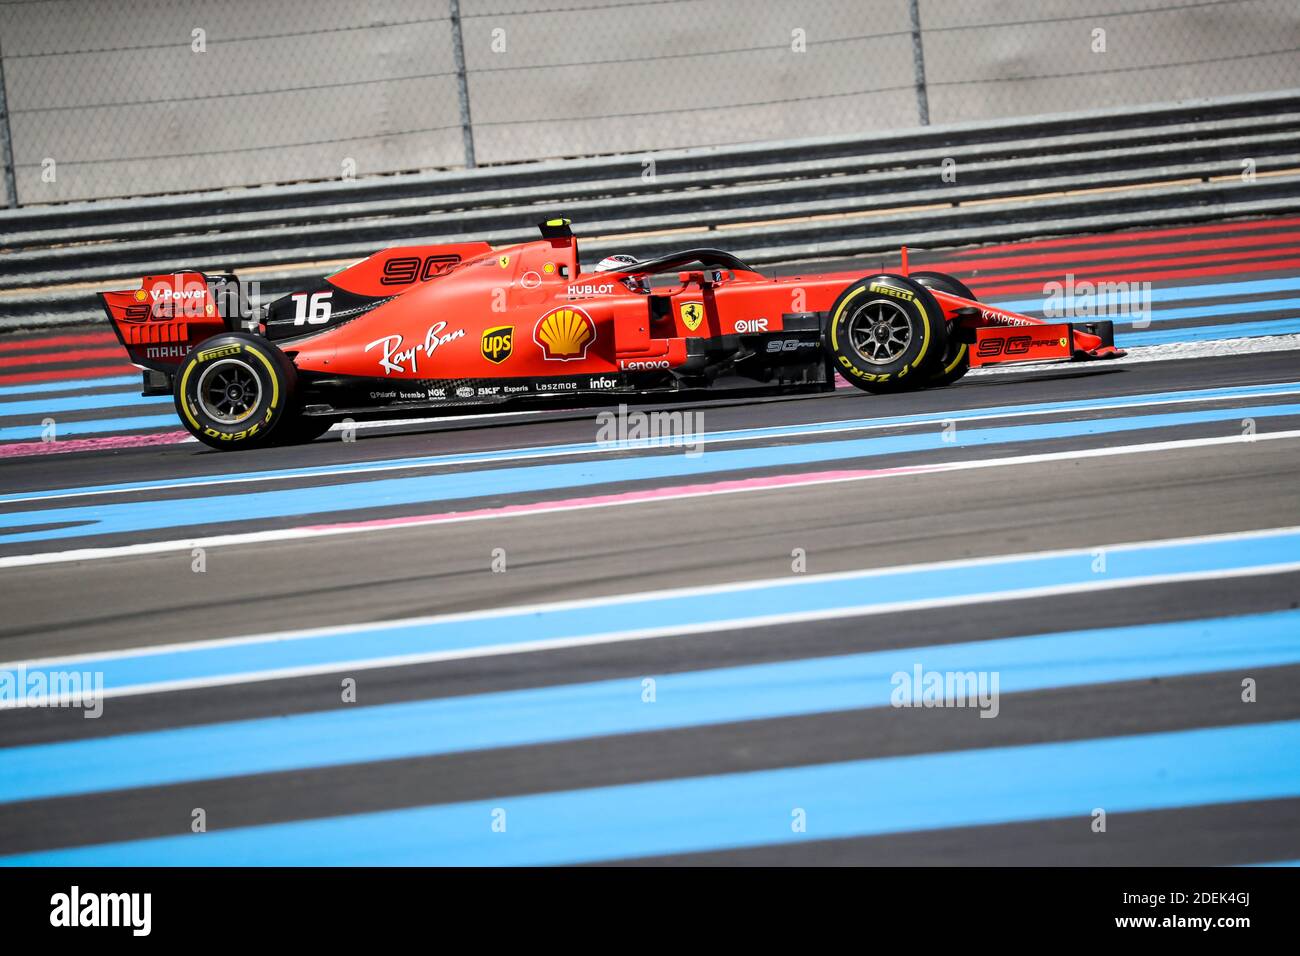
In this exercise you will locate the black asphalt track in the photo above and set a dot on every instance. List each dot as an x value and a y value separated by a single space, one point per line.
133 600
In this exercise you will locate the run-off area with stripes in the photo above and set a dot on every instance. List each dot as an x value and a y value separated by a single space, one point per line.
1048 615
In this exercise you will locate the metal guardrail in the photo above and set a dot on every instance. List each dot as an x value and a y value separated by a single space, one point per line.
780 202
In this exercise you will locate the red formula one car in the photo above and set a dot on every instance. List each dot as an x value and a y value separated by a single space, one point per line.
415 329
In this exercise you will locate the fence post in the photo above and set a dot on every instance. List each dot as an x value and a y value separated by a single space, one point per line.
462 84
918 62
6 142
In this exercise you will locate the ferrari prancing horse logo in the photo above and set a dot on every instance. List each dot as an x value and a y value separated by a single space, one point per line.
692 314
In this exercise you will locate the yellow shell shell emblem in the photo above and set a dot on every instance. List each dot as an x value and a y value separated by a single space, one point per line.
692 315
141 295
565 334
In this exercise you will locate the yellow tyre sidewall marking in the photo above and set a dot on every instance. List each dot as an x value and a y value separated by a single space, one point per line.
275 382
961 354
925 342
185 398
835 321
275 385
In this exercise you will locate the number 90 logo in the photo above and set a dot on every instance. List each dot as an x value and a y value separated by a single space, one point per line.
1015 345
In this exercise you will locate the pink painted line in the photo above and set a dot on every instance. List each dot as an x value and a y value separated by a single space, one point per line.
47 343
62 447
67 374
633 497
1116 238
59 357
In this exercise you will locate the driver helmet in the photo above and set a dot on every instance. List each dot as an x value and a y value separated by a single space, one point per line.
613 263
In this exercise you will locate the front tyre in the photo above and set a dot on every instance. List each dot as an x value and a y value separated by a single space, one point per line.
234 390
956 357
886 334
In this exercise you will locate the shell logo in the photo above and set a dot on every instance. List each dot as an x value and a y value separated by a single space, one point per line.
565 334
141 295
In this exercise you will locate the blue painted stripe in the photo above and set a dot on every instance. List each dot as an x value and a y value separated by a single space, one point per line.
95 427
722 607
1158 316
118 517
1211 311
1173 293
841 800
756 434
1205 333
70 385
1029 306
752 692
80 403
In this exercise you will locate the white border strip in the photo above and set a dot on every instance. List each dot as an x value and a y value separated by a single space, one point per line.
810 430
373 525
705 590
642 634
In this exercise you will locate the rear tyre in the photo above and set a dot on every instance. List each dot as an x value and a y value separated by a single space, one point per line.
235 390
886 334
956 357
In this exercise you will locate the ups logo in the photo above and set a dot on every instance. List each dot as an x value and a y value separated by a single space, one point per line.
498 343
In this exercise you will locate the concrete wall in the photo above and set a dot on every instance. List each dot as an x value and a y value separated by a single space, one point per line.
1154 51
113 92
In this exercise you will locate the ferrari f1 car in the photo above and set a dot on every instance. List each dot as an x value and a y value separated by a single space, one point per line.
412 330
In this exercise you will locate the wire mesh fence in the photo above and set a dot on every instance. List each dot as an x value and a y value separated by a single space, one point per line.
107 98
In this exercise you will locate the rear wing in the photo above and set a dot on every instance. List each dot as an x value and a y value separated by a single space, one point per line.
168 315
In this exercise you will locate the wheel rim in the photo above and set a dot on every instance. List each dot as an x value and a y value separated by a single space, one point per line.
880 331
229 391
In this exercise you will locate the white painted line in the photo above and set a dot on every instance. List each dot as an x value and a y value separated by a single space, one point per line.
641 634
393 422
765 432
308 531
475 416
695 590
